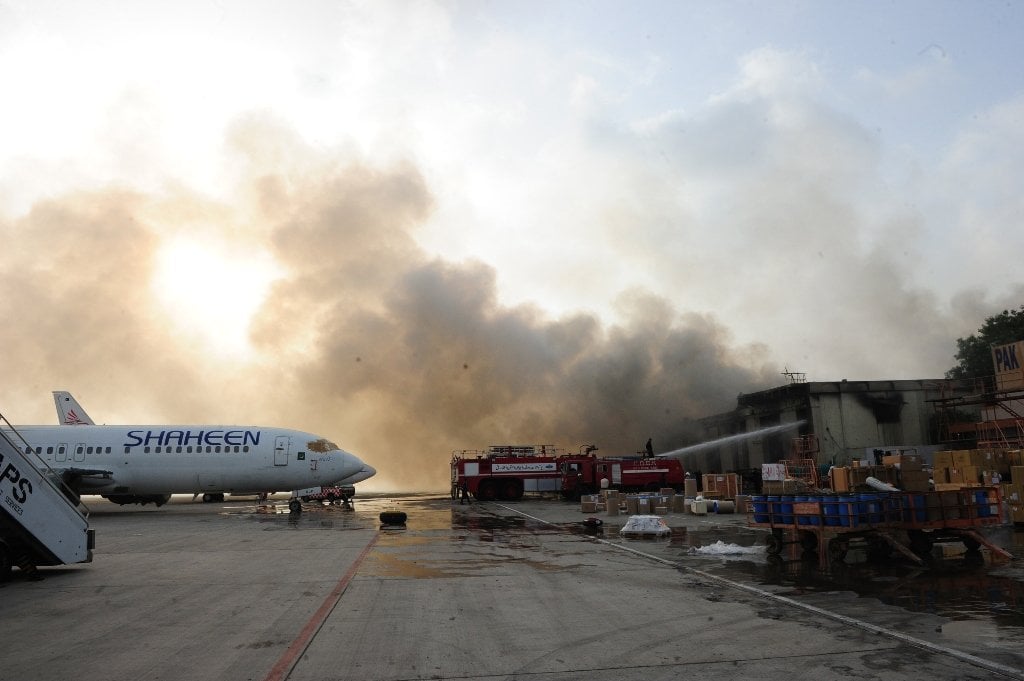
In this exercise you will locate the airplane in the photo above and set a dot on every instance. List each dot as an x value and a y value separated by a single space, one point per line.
140 464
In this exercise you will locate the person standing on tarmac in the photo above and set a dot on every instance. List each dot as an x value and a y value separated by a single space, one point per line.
649 447
464 494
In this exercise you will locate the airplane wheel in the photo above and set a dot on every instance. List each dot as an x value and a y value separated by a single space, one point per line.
295 506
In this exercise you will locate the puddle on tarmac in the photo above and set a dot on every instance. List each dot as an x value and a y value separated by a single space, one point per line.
972 591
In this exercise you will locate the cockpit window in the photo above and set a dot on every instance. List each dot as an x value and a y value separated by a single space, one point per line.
322 445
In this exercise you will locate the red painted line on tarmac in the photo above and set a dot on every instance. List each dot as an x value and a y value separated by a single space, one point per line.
283 669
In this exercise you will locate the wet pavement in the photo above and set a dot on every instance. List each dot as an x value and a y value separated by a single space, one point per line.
523 590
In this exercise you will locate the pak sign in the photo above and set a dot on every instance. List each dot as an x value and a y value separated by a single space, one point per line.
1008 361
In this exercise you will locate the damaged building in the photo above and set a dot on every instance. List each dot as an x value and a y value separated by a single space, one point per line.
831 423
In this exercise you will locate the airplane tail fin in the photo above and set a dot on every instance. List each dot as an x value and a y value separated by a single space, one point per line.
69 411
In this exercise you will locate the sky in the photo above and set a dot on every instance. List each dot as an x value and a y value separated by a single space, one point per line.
420 227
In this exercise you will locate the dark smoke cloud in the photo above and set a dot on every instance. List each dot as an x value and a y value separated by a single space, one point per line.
399 356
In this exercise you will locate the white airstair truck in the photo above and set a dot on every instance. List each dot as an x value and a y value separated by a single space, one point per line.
42 522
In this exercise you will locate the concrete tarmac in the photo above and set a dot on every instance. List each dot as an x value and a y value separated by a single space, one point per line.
240 591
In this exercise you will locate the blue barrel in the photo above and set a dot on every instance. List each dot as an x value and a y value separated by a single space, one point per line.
893 510
816 519
849 509
830 508
868 510
760 504
802 519
920 507
981 499
774 508
787 511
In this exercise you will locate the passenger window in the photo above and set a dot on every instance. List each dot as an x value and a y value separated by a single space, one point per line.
218 449
49 450
60 449
245 448
127 449
108 450
145 450
78 451
178 449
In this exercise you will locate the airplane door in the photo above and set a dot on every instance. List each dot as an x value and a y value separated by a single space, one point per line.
281 445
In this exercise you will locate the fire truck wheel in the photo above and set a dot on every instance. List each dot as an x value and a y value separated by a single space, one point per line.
486 492
5 562
512 490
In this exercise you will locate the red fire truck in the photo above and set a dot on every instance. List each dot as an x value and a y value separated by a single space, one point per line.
582 474
506 472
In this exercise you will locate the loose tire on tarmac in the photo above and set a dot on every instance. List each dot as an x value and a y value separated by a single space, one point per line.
393 517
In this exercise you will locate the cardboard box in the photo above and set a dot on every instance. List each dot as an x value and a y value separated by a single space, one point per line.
942 460
914 481
1017 474
962 458
911 464
972 474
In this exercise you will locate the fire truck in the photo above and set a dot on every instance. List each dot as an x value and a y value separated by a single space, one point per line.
506 472
584 473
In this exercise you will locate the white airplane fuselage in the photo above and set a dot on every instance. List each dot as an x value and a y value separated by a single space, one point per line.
121 462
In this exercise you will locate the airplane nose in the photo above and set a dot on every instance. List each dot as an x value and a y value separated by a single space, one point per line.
353 469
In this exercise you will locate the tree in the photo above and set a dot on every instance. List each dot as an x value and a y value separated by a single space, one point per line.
974 353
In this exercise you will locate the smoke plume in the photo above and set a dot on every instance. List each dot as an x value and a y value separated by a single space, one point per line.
399 356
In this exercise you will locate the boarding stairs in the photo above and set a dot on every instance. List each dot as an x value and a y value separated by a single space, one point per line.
42 521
